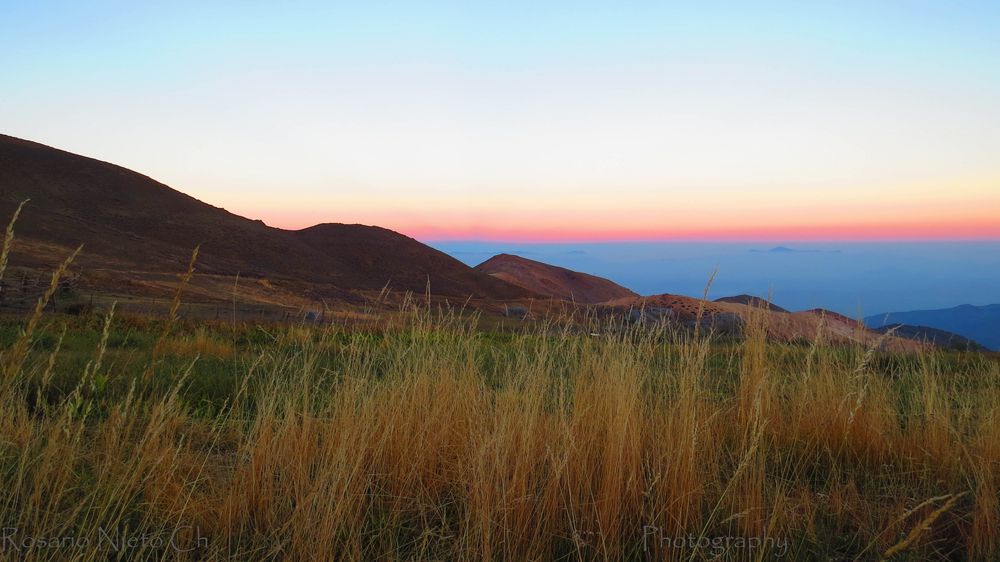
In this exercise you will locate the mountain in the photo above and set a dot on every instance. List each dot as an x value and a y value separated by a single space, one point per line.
977 323
787 250
751 300
780 325
777 250
933 336
553 281
831 315
131 223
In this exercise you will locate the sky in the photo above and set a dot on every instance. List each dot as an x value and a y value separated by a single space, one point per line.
534 121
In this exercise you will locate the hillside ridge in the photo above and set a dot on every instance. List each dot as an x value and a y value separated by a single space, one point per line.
553 281
128 221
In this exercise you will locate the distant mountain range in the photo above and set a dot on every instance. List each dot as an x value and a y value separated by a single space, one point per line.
139 233
978 323
934 336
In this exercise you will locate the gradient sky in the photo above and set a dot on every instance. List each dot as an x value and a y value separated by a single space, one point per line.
530 120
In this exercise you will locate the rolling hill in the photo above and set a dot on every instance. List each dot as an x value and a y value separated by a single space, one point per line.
978 323
131 223
139 233
553 281
753 301
780 325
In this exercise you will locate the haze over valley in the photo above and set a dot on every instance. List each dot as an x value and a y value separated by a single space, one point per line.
853 278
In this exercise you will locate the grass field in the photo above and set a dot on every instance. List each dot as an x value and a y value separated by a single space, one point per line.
431 435
427 438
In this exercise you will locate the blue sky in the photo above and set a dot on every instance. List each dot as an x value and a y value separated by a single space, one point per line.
533 121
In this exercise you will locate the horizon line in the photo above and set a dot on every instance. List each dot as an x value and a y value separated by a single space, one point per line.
701 240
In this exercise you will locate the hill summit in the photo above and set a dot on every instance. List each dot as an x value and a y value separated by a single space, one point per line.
553 281
129 222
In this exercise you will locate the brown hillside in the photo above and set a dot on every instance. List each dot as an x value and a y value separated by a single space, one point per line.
781 326
834 316
130 222
553 281
752 301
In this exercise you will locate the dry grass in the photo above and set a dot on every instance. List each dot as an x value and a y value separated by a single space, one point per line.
430 440
202 343
427 439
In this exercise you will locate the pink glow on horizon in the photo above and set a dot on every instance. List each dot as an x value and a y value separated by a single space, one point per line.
874 232
888 231
942 220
